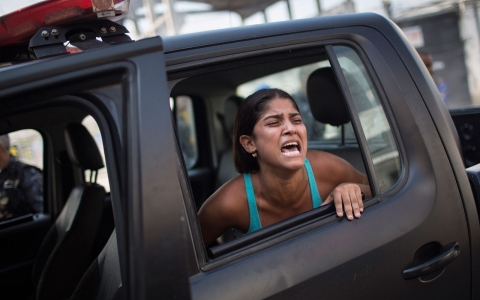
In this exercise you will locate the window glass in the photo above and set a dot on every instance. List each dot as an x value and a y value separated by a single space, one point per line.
27 146
21 177
186 129
294 82
375 126
92 127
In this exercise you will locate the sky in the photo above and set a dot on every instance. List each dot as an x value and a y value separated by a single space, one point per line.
276 12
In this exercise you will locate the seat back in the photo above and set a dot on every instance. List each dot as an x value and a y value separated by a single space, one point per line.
328 106
226 167
325 99
68 248
102 280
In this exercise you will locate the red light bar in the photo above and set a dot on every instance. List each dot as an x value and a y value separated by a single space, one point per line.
19 26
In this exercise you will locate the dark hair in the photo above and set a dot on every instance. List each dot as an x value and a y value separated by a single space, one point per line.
247 116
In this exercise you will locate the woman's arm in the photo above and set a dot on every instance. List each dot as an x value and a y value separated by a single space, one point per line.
211 221
223 210
348 197
347 184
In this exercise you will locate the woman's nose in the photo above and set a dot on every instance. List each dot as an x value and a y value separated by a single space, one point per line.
289 128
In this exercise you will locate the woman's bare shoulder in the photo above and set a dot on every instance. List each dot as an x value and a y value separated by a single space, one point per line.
324 159
335 166
327 163
226 208
228 198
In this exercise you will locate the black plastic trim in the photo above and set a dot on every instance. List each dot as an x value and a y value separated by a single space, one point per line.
269 231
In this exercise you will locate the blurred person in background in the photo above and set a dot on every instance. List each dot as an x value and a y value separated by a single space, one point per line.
187 142
440 82
21 185
427 61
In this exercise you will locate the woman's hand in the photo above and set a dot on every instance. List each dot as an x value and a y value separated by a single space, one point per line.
348 197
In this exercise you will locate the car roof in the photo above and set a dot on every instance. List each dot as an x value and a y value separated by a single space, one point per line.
220 36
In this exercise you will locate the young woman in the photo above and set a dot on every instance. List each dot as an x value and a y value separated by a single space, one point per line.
279 177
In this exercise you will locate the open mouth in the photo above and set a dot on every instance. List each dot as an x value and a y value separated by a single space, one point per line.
291 149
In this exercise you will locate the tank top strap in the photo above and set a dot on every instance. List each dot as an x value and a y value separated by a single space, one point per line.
255 223
316 199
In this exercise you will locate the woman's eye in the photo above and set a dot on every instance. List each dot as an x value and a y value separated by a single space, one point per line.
297 121
273 123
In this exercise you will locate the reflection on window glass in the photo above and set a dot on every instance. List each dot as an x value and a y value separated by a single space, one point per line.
294 82
92 127
378 133
186 129
21 178
27 146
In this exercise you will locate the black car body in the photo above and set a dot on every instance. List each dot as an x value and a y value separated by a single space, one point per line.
423 206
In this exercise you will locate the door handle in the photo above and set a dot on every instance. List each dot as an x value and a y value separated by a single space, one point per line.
444 258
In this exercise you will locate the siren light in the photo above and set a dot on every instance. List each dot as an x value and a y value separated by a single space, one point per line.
19 26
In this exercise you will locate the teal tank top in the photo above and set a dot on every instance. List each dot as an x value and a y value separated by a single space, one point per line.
252 204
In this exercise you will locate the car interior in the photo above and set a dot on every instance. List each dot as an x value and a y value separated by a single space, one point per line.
78 210
305 74
331 129
77 225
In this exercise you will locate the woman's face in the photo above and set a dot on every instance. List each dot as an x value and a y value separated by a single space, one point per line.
279 136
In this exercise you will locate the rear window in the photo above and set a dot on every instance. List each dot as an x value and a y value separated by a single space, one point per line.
21 176
92 127
185 119
294 81
375 126
27 146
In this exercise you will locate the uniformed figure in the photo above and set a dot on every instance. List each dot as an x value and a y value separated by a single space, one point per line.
21 185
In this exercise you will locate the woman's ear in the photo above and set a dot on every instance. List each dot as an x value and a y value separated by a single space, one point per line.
248 143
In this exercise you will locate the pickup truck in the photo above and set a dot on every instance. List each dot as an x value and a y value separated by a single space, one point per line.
164 109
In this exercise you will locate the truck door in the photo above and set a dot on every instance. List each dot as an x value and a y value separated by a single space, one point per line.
128 99
412 239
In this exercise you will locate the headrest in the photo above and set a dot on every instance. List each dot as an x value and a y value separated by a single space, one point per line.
325 99
232 104
81 147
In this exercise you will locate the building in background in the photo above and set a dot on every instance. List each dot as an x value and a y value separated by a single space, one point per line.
449 32
170 17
